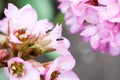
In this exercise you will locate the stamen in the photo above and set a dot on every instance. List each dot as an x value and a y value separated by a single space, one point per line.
13 68
16 34
17 69
22 34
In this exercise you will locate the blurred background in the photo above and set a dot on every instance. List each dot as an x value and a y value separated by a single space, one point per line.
90 65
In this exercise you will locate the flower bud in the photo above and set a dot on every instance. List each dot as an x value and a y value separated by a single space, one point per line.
3 54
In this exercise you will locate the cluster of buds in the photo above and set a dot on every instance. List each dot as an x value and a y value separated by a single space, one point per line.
24 37
97 21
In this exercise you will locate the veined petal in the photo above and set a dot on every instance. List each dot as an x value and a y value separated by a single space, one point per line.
89 31
110 13
118 1
27 18
91 16
12 11
66 63
66 43
114 51
94 40
106 2
43 26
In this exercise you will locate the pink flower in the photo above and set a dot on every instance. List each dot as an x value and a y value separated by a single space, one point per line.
25 17
21 70
59 69
20 22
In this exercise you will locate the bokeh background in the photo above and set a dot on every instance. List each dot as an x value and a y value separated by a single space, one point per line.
90 65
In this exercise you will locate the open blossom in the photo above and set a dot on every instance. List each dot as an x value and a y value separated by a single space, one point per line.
23 28
60 69
26 33
20 25
19 18
18 69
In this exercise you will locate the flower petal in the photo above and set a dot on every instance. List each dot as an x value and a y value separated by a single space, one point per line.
91 16
68 76
94 40
27 18
66 63
106 2
114 51
12 11
89 31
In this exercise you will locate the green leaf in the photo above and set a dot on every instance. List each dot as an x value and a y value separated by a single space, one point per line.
59 19
44 8
52 55
2 75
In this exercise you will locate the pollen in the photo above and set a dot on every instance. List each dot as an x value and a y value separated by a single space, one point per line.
21 34
17 69
54 75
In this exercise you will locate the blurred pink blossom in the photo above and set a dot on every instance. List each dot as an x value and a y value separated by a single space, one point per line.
77 12
97 21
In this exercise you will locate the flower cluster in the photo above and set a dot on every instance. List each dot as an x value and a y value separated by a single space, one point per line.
97 21
24 37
